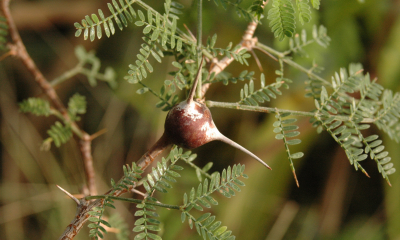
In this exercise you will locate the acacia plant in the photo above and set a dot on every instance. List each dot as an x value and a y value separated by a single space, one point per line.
337 108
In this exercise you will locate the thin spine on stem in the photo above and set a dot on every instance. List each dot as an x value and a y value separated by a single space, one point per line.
228 141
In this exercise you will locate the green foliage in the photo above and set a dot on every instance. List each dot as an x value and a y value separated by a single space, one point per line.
298 42
160 180
337 111
166 100
147 222
139 71
257 8
184 76
36 106
117 222
96 228
131 177
93 73
345 117
161 33
304 11
200 172
285 129
282 21
250 97
226 183
159 30
160 177
315 3
225 78
203 171
344 107
121 14
59 133
207 228
3 33
320 36
172 10
387 118
179 79
247 14
237 53
76 105
342 134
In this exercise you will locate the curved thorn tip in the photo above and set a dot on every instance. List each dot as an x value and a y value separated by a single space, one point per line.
226 140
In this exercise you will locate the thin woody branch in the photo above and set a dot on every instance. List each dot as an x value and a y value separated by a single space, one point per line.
86 150
248 42
85 206
17 49
21 53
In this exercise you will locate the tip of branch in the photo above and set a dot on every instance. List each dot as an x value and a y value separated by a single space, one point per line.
97 134
365 172
387 180
69 195
295 178
359 71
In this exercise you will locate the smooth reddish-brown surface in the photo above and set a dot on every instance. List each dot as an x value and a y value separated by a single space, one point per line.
186 129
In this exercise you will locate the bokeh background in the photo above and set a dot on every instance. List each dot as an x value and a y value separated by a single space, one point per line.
333 202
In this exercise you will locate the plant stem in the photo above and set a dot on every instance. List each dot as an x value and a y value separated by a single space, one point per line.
47 88
197 168
155 94
133 200
291 63
199 52
274 110
68 74
86 149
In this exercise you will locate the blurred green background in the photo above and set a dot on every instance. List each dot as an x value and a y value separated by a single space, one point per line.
333 201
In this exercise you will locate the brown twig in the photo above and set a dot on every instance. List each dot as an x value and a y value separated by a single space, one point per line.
86 150
257 60
17 49
266 53
7 54
22 54
248 42
83 209
98 134
153 152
